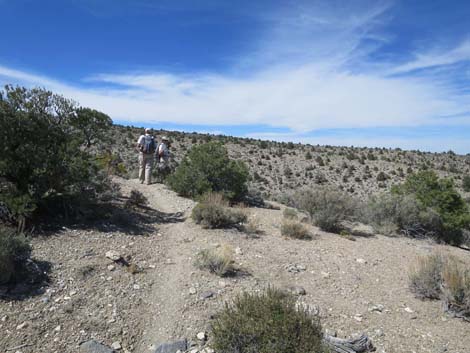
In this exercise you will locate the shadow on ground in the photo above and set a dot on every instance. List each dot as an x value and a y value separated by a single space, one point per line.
34 281
113 216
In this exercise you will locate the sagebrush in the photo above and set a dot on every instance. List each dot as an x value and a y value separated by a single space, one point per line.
265 323
213 211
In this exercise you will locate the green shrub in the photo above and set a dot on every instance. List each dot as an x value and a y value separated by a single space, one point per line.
392 213
214 212
289 213
294 229
207 168
466 183
219 261
327 207
440 196
14 251
43 151
265 323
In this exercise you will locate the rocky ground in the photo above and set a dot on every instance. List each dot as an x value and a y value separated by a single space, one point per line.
279 168
134 289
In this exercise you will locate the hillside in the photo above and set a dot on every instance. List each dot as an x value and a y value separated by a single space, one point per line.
356 286
280 168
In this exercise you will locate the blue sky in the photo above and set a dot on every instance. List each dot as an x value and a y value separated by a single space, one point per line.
363 73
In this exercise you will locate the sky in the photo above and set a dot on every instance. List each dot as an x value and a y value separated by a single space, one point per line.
377 73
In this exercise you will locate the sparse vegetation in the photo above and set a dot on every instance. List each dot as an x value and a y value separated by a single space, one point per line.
443 277
136 199
327 207
219 261
426 277
265 323
294 229
289 213
14 252
213 211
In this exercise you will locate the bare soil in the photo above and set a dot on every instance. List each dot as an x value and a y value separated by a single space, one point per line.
164 300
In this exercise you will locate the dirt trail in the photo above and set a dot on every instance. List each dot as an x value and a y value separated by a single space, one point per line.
165 319
345 279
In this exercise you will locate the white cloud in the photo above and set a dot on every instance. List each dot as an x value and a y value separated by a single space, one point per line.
437 58
300 81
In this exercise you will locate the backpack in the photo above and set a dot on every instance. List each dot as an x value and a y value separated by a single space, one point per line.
148 146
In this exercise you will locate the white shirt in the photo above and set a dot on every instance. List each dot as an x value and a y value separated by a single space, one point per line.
140 141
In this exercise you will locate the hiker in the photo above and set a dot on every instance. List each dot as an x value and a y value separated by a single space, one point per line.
163 152
163 160
146 146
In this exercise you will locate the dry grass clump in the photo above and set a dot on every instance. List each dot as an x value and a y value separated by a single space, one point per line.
265 323
213 211
295 229
252 227
456 289
426 276
443 277
219 261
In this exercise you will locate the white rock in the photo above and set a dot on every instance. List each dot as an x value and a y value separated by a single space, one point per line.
192 290
409 310
207 350
111 267
113 255
22 326
57 329
4 318
238 251
361 261
136 287
116 346
201 336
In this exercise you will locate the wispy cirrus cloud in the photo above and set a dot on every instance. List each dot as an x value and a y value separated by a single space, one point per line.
437 57
309 69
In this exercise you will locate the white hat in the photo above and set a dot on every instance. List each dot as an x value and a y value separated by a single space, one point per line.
147 129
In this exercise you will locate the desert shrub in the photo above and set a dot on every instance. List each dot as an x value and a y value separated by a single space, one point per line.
426 277
294 229
136 199
44 154
265 323
252 227
207 168
392 213
14 251
443 277
289 213
219 261
456 288
213 211
466 183
326 206
440 196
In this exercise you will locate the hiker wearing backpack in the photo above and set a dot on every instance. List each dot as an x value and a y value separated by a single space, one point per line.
163 151
147 147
